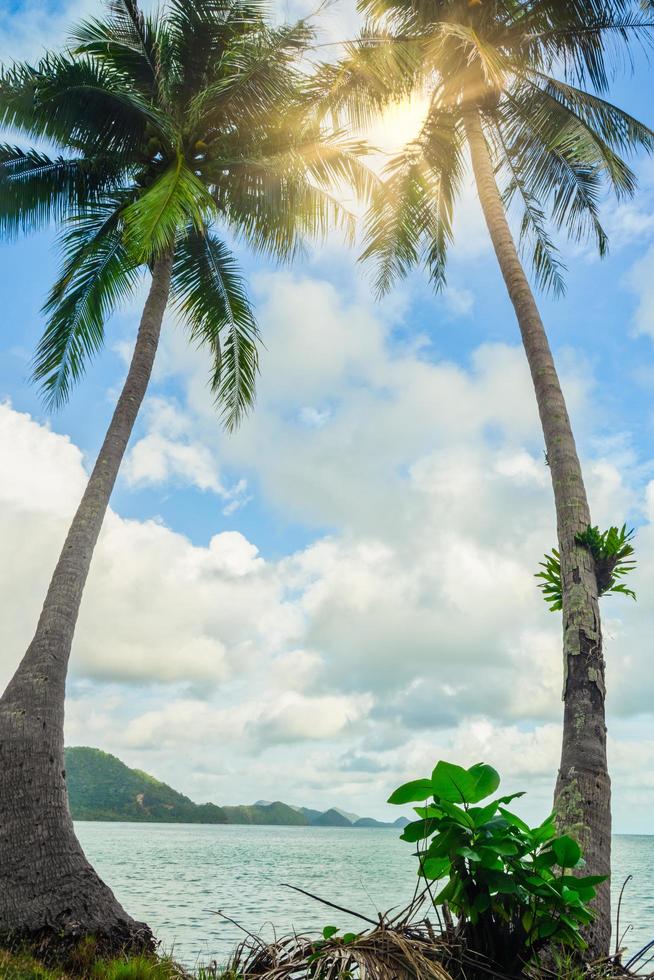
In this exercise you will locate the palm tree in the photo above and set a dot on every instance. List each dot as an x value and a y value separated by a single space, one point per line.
168 132
503 83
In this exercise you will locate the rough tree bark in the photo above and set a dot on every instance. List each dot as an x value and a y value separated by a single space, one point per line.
50 895
582 796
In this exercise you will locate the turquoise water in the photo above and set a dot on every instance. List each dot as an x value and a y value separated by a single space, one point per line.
170 874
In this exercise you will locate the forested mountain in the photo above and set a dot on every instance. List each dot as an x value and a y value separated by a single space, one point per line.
101 787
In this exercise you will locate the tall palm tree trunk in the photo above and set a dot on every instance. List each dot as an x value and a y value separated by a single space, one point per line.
49 893
583 790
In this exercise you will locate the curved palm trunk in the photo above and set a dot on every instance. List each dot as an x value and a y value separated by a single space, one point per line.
582 797
49 893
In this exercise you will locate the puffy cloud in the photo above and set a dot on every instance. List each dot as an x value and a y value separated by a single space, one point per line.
413 629
155 607
168 454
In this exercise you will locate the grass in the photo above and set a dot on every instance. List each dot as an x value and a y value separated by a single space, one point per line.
21 966
401 952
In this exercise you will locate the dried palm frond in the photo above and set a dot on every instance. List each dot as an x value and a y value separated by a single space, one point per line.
383 953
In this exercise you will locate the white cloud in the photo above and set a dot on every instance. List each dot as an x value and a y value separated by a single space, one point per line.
153 600
168 454
296 717
414 629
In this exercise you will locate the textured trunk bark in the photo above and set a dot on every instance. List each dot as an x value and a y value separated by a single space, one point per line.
49 893
582 797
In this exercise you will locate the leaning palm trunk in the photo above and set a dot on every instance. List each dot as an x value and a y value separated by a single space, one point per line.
583 789
47 887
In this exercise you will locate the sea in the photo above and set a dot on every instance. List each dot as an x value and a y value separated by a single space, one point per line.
179 877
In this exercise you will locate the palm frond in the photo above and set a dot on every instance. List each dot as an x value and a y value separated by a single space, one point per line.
210 293
259 77
619 130
561 163
534 237
410 218
126 42
282 187
201 32
375 71
97 275
177 199
591 42
83 104
36 188
330 160
276 215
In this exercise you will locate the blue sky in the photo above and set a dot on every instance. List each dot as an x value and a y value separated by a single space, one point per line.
320 605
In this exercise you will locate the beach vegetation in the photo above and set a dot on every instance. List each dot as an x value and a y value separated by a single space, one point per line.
522 92
612 555
512 889
152 142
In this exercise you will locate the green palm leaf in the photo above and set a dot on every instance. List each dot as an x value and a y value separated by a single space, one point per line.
178 198
97 275
127 43
210 294
548 268
36 188
80 102
260 74
162 127
410 218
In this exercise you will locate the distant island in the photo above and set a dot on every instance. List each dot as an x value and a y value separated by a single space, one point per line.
101 787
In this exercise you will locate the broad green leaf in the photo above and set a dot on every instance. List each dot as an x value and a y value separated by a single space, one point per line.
435 868
453 783
414 792
482 902
588 881
428 811
515 821
490 859
505 848
509 799
419 830
502 883
546 859
547 928
545 831
329 931
449 893
567 851
487 781
457 814
482 814
448 841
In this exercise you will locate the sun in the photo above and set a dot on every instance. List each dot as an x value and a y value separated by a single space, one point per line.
396 126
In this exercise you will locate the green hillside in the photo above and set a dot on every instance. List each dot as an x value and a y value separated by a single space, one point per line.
101 787
332 818
273 813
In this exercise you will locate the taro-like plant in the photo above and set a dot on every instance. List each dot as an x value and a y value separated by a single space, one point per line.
611 551
512 888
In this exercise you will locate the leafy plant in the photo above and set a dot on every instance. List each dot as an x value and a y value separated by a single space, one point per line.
509 885
330 935
611 551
